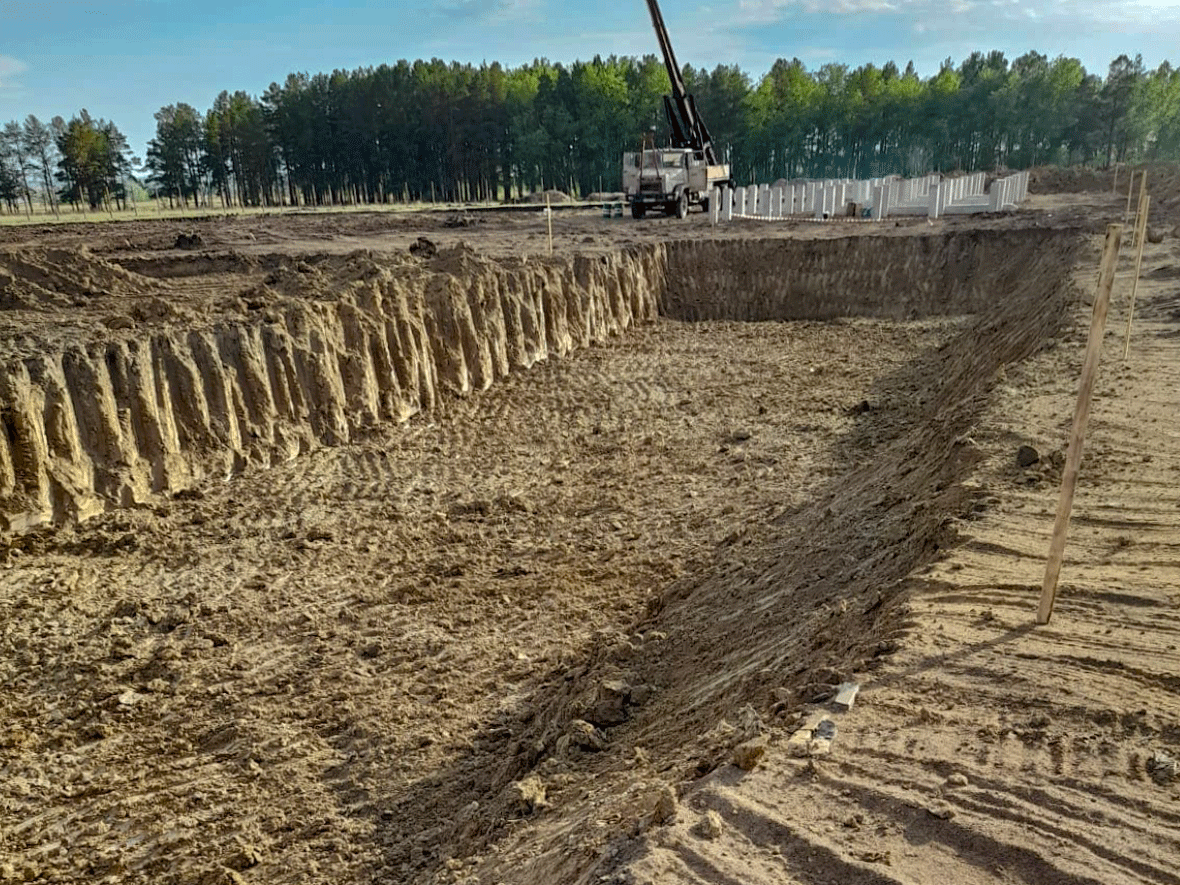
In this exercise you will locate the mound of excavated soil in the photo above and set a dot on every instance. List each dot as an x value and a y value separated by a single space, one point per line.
45 278
551 195
1163 181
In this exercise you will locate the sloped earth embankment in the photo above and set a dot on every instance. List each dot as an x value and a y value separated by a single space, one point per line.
989 749
790 608
511 641
133 406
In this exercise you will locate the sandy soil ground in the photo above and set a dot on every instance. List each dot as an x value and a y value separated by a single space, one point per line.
989 749
571 628
504 233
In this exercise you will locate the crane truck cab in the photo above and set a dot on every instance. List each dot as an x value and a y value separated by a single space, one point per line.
669 180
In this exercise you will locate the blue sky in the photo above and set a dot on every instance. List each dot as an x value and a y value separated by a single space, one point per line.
123 60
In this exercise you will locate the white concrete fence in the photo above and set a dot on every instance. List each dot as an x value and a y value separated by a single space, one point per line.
875 199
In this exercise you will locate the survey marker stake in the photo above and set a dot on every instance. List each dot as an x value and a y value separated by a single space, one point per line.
1138 208
549 219
1142 238
1130 191
1073 458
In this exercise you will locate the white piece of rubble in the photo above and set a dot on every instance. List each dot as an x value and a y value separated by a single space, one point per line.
846 694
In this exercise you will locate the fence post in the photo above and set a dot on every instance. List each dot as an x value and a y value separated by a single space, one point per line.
1073 456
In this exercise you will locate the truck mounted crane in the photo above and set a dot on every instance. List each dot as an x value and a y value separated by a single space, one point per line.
674 178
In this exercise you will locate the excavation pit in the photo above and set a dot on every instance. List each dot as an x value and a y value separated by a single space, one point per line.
466 496
118 386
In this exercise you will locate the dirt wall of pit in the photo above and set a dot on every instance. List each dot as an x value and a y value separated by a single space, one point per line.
871 276
113 416
114 420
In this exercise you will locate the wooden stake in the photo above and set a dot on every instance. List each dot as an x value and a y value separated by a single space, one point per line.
1073 458
549 219
1139 206
1130 190
1142 235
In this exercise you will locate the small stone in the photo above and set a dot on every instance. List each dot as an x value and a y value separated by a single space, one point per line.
957 780
819 747
710 826
1163 768
610 705
942 812
747 755
529 794
798 742
584 735
246 858
221 876
130 698
641 694
1027 456
1155 235
665 805
819 692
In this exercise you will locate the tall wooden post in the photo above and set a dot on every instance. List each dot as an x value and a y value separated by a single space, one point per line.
1141 234
549 219
1073 458
1134 219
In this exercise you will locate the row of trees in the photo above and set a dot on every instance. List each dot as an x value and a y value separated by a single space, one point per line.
431 130
84 162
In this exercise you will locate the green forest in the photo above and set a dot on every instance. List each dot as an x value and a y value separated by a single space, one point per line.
429 130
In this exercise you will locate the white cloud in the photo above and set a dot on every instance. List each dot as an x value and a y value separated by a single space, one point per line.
9 69
496 11
1128 11
751 11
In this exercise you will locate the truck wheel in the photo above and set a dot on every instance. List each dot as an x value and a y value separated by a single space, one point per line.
682 206
638 210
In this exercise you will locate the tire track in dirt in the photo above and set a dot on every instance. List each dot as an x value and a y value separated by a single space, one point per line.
251 676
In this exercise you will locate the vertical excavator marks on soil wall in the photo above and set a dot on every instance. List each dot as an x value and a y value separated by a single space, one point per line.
672 179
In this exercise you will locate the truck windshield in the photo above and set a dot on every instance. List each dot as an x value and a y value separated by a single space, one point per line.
662 160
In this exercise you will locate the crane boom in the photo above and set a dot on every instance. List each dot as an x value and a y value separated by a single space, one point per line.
688 129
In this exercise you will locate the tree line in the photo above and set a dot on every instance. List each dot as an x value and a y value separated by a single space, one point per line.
83 162
429 130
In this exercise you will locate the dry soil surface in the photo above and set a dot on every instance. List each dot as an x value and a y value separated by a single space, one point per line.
574 627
